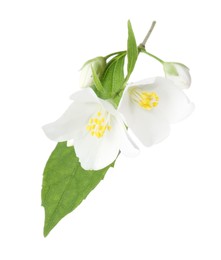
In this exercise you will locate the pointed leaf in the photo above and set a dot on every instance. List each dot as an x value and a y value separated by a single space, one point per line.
65 184
132 50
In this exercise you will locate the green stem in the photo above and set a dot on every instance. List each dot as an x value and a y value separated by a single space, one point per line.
151 55
141 47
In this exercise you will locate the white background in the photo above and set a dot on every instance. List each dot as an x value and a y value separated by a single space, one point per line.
164 204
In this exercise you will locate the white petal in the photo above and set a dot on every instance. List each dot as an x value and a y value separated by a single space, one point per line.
173 104
84 96
143 82
150 129
109 107
127 145
96 153
89 96
71 122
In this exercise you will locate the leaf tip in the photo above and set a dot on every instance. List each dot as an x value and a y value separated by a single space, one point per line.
46 231
129 24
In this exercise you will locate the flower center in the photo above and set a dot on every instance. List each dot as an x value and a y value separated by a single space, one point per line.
144 99
98 125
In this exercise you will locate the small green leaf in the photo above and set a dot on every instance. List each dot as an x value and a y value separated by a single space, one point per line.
113 77
96 79
132 49
65 184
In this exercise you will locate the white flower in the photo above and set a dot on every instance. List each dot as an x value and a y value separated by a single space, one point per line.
86 78
151 105
178 73
95 129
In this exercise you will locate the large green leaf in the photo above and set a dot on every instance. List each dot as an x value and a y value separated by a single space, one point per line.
113 77
132 50
65 184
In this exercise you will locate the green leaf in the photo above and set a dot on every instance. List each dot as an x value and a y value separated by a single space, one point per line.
132 50
113 77
96 79
65 184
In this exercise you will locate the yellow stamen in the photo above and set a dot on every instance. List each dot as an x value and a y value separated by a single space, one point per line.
98 126
146 100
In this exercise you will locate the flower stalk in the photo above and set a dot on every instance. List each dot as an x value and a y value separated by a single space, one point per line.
143 44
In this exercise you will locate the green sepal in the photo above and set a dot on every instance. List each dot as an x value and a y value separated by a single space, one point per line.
170 69
96 79
99 61
65 184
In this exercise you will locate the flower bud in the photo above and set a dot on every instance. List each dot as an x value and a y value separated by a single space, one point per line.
178 73
86 77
